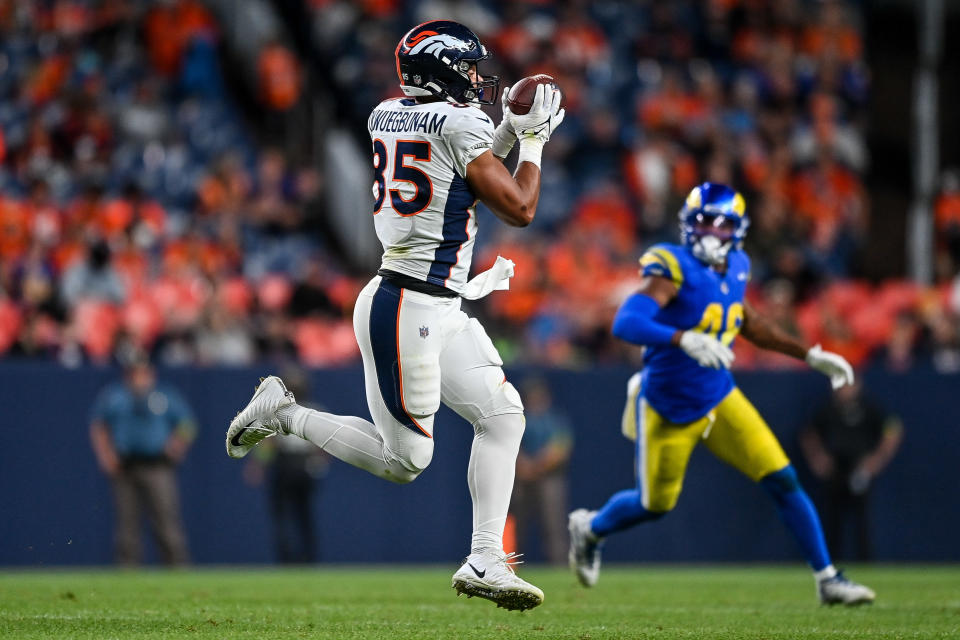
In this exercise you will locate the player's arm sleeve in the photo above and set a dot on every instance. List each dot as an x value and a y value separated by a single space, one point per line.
634 322
469 137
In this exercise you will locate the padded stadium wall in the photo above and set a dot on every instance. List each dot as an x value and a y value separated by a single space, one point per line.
56 506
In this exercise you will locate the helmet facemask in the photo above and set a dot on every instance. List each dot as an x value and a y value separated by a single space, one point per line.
478 91
712 237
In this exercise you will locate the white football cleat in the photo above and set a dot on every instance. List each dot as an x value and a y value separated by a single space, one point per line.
490 575
840 590
258 420
584 553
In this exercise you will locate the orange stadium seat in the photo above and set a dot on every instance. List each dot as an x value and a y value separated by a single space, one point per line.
273 292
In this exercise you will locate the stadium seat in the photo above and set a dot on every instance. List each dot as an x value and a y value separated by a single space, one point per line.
235 295
847 296
870 327
897 295
95 325
141 318
273 292
10 322
325 343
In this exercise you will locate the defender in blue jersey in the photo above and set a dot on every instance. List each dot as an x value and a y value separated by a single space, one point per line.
689 309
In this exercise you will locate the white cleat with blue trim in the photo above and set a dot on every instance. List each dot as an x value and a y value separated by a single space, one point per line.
584 553
840 590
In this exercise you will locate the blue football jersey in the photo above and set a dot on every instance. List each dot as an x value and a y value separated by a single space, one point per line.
673 383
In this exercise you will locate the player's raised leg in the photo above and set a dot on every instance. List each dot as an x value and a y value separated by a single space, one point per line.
257 420
662 452
742 439
475 387
402 377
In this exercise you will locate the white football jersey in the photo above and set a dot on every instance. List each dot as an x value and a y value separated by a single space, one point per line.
424 211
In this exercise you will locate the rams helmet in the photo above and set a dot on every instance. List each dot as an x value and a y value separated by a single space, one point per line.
712 221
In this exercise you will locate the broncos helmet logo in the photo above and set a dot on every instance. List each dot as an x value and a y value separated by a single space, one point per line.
436 43
434 58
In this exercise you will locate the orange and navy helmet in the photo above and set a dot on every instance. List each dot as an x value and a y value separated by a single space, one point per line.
434 59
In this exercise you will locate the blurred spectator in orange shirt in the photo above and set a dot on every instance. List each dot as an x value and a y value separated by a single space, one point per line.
46 79
579 42
168 28
832 200
279 77
839 337
604 214
14 229
833 33
947 223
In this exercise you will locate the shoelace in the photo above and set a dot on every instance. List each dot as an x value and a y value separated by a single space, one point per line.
254 434
512 559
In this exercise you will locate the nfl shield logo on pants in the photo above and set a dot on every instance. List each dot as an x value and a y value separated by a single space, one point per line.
424 332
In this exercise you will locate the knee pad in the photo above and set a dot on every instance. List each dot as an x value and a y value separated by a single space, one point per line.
661 504
504 425
781 483
507 398
504 397
421 384
408 463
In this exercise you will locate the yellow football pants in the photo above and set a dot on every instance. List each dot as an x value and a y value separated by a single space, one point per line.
734 431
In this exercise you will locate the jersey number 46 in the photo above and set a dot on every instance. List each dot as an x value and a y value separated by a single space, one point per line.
716 319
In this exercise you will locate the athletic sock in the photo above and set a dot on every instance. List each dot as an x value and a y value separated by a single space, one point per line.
798 513
493 460
351 439
826 573
622 511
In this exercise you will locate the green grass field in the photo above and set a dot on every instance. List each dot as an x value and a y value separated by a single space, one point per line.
397 603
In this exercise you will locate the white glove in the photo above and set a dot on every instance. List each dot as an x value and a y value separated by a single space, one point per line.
831 365
533 129
503 136
706 350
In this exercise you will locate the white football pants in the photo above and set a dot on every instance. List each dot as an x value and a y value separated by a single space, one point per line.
418 351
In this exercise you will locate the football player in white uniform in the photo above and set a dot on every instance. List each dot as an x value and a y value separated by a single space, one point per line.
434 154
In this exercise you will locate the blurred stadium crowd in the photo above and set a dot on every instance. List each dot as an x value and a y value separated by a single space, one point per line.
143 207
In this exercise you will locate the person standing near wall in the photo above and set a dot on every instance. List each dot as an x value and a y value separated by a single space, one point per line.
540 490
848 443
140 431
293 468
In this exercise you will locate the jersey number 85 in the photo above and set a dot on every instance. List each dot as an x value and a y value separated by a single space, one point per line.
418 151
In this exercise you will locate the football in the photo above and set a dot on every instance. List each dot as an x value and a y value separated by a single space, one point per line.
520 96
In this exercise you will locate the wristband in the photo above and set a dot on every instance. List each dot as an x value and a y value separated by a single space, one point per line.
503 141
530 151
